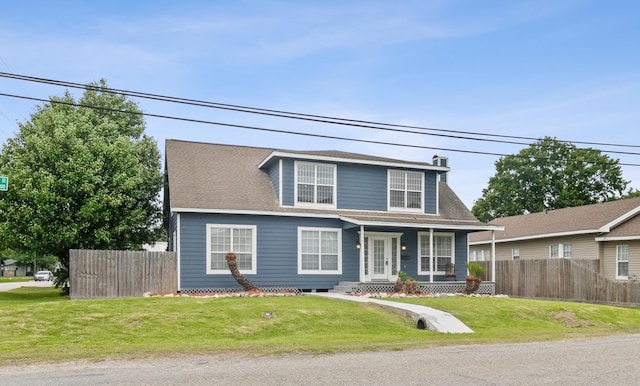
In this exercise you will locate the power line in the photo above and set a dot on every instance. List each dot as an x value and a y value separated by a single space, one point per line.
312 117
289 132
244 109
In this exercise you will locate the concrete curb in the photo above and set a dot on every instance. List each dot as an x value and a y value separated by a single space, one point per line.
425 317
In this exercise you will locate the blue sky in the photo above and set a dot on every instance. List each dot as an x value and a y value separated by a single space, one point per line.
568 69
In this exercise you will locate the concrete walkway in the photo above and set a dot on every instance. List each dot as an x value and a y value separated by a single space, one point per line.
425 317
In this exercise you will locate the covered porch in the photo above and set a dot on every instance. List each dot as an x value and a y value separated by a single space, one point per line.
432 253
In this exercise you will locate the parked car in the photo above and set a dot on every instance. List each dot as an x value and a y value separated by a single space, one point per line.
43 276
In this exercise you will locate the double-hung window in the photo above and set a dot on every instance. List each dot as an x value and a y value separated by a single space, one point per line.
481 255
622 262
315 184
319 251
557 251
443 252
406 190
239 239
554 251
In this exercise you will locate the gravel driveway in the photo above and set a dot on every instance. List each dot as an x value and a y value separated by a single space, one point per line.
597 361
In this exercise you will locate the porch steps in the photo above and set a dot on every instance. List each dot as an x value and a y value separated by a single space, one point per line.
345 287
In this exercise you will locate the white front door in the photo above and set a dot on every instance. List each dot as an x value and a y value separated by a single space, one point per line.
383 252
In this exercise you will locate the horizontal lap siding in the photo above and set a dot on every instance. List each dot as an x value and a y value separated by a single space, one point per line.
582 247
173 225
362 187
359 187
277 252
461 255
274 176
608 260
287 182
430 193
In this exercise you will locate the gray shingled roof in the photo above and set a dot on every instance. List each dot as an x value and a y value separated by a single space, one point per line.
355 156
204 176
581 219
211 176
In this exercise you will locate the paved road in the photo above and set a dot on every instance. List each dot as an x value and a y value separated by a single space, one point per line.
8 286
598 361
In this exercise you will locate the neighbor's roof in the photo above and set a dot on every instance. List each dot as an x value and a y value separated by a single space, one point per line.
612 218
225 178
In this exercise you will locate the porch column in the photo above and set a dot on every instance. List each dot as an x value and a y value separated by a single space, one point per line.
493 256
361 253
430 255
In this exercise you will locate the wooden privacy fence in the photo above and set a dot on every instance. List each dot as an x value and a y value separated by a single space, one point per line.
567 279
111 274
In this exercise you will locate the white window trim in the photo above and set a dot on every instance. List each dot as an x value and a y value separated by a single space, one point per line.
319 272
389 236
254 249
618 261
309 204
435 263
405 209
561 249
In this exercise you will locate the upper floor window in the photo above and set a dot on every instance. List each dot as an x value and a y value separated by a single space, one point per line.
315 184
405 190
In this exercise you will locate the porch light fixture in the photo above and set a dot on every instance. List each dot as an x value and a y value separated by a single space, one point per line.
403 246
358 245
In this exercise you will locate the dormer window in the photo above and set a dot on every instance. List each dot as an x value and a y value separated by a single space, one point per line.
405 190
315 184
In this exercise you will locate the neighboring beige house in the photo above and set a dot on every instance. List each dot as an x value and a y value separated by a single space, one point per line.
608 232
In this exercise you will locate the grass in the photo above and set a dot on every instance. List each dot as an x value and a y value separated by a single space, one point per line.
511 320
41 326
4 279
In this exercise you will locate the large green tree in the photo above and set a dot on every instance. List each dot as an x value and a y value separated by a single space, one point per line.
82 174
549 174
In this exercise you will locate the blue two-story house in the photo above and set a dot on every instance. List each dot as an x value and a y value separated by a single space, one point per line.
309 219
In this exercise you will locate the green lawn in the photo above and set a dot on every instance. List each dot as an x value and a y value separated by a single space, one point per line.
41 326
4 279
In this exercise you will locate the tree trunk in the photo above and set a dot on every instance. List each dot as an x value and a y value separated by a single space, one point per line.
233 267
